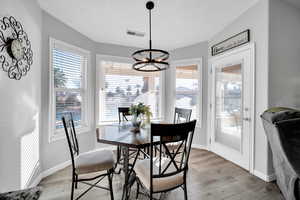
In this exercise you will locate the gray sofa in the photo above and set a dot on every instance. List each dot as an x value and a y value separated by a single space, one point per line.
282 127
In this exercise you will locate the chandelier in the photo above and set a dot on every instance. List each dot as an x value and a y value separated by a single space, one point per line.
150 60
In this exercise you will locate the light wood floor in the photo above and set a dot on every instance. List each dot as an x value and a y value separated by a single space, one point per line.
210 178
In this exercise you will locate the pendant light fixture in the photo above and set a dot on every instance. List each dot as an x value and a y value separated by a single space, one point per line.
150 60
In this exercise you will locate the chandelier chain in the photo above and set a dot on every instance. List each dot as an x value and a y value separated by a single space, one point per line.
150 60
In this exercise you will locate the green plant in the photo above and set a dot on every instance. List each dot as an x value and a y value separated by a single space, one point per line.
140 109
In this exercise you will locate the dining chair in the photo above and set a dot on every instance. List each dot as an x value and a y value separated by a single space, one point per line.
88 162
182 115
162 174
123 113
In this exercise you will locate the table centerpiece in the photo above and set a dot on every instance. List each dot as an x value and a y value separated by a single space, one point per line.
141 116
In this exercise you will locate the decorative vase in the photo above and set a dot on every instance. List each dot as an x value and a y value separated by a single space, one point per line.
136 121
146 121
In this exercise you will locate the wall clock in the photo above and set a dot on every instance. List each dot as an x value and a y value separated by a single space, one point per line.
15 48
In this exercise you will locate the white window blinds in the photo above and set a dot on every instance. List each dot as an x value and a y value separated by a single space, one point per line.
69 65
187 90
122 86
67 69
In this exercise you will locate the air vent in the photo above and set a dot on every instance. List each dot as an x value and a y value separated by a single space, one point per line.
135 33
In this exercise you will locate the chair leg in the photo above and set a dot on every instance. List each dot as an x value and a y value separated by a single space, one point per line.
76 181
118 160
110 173
73 187
118 154
185 191
137 190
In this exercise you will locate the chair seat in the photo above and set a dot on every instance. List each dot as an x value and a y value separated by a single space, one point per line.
94 161
173 146
142 170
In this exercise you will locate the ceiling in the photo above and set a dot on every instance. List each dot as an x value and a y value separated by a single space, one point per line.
295 2
175 23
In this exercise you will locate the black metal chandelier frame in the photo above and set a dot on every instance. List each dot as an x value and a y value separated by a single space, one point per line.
156 58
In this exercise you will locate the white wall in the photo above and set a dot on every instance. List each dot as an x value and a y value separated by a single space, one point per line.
20 104
57 152
284 72
25 150
255 19
184 53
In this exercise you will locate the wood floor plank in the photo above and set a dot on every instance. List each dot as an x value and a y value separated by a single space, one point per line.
210 178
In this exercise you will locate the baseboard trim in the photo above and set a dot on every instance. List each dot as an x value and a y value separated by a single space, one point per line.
265 177
36 181
199 146
56 168
271 177
35 176
48 172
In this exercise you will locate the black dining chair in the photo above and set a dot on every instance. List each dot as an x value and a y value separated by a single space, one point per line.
182 115
162 174
123 114
88 162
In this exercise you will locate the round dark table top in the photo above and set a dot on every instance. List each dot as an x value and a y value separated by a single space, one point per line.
122 135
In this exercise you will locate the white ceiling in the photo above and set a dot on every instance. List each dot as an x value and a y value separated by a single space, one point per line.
176 23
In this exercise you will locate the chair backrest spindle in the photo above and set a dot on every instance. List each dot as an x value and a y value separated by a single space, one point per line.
123 112
182 134
182 115
71 136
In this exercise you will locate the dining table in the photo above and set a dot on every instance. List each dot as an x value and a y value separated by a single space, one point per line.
125 136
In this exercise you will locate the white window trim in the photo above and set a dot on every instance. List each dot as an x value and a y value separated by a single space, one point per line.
102 57
199 63
54 134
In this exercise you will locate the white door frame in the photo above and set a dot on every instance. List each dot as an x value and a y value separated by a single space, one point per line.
251 47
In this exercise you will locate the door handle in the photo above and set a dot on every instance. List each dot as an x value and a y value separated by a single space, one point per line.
247 119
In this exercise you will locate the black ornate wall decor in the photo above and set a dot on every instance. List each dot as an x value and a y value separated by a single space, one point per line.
16 55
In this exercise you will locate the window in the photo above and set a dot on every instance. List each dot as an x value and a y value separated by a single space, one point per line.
121 86
187 89
68 85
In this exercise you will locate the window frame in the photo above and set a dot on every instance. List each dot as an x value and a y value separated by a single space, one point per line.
58 134
186 62
100 84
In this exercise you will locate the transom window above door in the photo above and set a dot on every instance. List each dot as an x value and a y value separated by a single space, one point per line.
121 86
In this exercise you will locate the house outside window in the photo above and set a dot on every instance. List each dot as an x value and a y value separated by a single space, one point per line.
121 86
188 87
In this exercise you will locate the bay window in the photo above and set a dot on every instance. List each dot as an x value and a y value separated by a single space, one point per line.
188 87
68 86
121 86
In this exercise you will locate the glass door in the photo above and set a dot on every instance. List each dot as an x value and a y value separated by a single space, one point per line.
232 107
229 105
